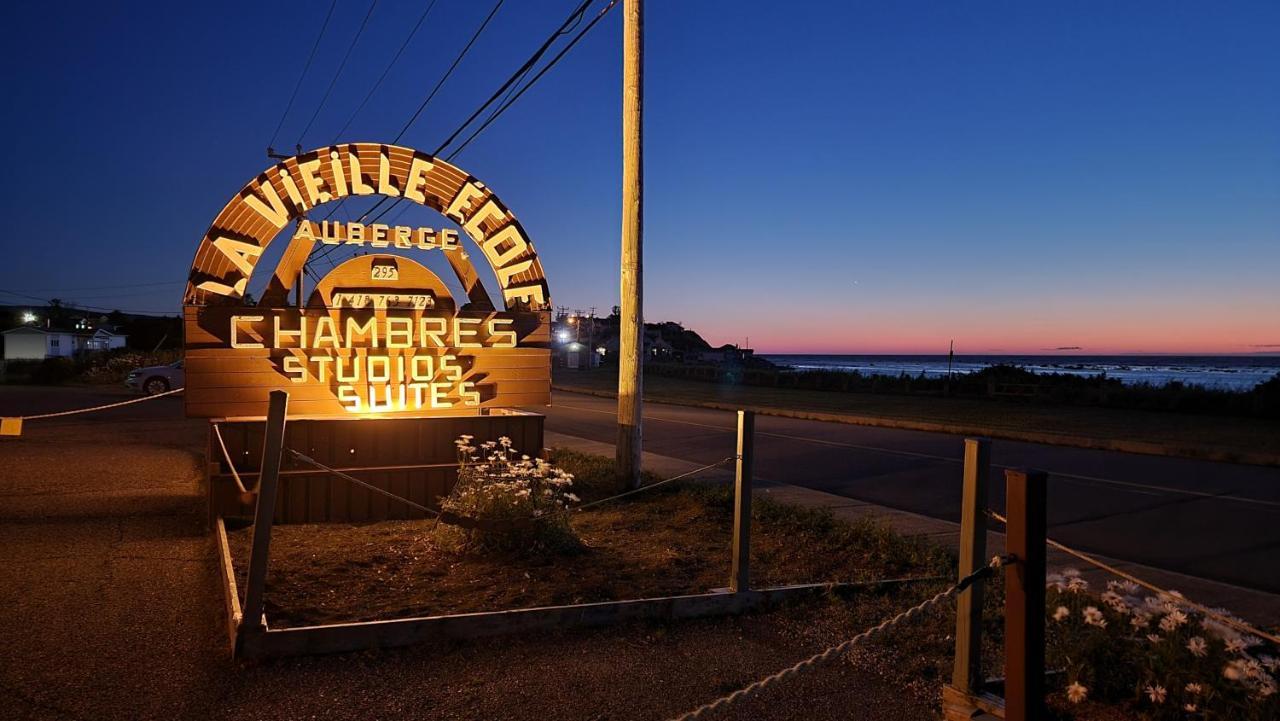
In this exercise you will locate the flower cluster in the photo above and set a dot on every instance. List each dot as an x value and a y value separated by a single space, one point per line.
1153 651
516 502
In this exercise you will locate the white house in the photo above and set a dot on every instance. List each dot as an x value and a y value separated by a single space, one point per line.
31 343
103 339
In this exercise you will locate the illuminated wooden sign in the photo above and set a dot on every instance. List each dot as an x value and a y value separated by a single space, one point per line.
380 334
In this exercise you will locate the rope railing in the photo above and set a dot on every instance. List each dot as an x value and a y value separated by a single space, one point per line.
217 432
348 477
838 650
453 518
102 407
1166 594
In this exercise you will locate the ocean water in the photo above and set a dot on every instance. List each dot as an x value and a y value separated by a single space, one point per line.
1240 372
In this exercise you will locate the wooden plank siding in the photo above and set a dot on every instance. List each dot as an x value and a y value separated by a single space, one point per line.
411 457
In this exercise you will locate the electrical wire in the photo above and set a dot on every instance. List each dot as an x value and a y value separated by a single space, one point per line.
467 48
100 287
566 27
386 70
512 101
570 23
305 68
326 252
341 67
68 305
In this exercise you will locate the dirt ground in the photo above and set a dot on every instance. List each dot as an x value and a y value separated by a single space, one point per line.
665 543
114 611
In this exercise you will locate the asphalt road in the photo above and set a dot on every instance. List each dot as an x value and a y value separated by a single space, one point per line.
1213 520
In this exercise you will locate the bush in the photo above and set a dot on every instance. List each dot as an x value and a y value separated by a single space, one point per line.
516 503
54 371
1152 654
112 366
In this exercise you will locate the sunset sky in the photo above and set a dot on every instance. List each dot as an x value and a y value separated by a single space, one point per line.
820 177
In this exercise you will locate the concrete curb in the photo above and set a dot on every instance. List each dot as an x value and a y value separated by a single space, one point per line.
1259 607
1053 439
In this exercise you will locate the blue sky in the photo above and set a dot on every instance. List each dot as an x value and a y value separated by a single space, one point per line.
856 177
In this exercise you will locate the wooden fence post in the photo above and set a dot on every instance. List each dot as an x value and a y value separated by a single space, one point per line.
740 576
967 673
264 512
1024 577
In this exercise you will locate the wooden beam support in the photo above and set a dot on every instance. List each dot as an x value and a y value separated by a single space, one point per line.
740 575
264 513
477 297
967 671
1024 621
288 273
231 594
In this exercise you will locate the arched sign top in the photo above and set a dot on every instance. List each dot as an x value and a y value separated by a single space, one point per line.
287 191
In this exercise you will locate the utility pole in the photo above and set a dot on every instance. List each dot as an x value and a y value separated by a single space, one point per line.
631 323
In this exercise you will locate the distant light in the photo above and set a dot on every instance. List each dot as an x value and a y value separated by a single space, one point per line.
601 350
573 319
563 335
29 317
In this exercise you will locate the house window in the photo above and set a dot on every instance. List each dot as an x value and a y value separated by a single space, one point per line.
53 342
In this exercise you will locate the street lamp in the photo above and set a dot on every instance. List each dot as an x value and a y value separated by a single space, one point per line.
29 317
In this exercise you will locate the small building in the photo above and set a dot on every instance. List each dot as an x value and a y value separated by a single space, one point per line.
106 339
32 343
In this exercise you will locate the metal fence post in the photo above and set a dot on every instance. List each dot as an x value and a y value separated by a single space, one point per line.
740 576
264 511
1024 619
967 673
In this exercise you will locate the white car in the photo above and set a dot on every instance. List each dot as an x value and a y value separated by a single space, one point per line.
157 379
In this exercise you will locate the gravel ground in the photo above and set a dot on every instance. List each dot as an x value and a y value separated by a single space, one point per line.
114 612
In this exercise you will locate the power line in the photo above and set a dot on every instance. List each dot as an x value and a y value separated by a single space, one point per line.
101 287
566 27
475 36
570 22
341 67
512 101
387 70
305 68
439 83
80 306
533 59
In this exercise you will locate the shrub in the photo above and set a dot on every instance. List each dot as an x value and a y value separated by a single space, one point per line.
54 371
1151 653
516 503
112 366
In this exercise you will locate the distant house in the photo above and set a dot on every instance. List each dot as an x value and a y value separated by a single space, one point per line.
106 339
32 343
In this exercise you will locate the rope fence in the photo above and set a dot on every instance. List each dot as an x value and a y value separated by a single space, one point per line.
217 432
449 517
1226 620
838 650
76 411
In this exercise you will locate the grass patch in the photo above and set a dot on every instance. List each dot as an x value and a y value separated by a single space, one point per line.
1189 434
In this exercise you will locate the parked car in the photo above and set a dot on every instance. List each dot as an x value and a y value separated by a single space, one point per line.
157 379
